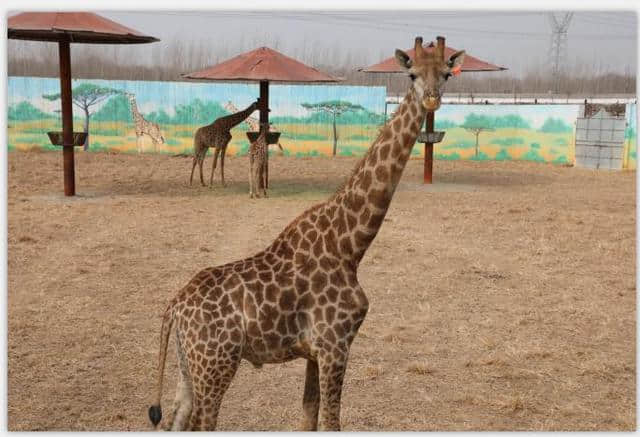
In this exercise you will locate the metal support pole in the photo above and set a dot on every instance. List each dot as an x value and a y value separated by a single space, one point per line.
264 118
428 152
67 118
428 147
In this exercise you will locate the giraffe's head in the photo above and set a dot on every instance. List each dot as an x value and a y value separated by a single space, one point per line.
130 96
429 72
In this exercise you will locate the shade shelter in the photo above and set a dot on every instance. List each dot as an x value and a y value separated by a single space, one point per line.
429 137
66 28
263 65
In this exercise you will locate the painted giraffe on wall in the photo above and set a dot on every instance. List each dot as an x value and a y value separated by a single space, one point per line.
254 123
143 126
217 135
300 296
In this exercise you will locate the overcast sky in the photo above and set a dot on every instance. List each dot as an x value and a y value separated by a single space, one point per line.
516 39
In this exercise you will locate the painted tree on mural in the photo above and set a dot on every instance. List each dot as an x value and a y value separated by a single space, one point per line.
334 108
85 96
476 125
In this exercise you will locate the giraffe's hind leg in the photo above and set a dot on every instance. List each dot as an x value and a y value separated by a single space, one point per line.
311 397
193 167
251 176
184 393
212 370
203 155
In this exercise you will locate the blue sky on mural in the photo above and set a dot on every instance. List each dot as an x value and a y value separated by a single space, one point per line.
152 96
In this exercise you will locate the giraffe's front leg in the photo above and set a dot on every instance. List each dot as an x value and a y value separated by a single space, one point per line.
331 365
250 177
224 151
311 398
263 173
213 166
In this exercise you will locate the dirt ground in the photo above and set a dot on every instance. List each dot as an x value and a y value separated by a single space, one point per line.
501 298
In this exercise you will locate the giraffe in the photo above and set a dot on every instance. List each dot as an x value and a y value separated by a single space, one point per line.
254 123
257 161
300 296
218 135
143 126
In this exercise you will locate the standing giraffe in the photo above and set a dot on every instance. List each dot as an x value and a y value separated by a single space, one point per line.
254 123
218 135
143 126
257 162
299 297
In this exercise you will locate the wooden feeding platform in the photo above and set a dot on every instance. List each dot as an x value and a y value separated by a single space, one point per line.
57 138
272 137
66 28
430 137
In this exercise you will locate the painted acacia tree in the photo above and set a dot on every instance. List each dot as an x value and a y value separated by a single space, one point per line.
334 108
476 125
85 96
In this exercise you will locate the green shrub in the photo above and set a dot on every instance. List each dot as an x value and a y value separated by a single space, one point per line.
461 144
243 148
561 160
561 142
535 145
311 153
532 155
480 157
351 150
303 137
172 142
451 157
503 155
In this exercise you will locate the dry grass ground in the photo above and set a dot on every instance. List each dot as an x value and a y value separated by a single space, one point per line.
501 298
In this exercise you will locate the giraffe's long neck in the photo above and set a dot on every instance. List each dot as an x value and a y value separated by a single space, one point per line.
134 108
363 202
237 118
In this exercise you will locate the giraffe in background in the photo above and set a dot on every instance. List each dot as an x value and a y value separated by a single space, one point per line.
257 163
143 126
300 296
254 123
218 135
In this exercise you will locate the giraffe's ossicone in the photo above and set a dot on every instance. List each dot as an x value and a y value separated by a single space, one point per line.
300 296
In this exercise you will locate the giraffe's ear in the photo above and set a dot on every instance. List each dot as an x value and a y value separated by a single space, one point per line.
403 59
455 62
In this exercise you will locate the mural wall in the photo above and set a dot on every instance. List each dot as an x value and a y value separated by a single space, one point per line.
305 116
179 108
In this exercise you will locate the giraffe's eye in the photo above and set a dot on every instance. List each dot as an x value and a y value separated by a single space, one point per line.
412 76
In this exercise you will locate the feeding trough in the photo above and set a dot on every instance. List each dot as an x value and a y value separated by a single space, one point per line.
429 137
57 138
262 65
272 137
66 28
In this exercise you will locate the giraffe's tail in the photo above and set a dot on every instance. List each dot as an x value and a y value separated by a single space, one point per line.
155 411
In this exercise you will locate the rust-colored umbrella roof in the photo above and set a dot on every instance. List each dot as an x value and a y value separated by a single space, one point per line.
262 64
75 27
470 63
